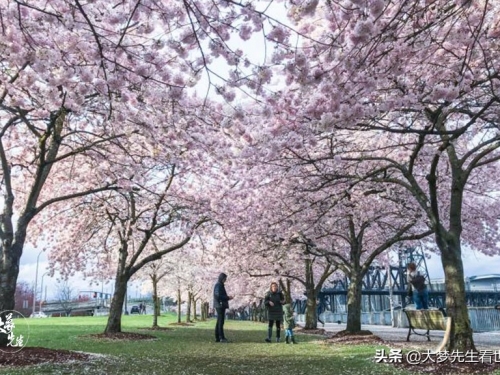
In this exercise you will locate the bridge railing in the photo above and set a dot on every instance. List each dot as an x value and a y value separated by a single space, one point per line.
75 306
483 319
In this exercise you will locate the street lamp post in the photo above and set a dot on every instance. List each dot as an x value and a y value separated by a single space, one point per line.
36 279
41 292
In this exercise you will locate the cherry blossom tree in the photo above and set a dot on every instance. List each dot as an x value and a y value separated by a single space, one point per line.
261 231
119 231
317 270
357 241
420 79
78 78
348 224
191 270
156 271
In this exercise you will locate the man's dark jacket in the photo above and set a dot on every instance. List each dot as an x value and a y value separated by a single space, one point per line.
221 300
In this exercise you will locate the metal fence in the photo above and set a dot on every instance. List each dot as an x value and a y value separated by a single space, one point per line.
483 319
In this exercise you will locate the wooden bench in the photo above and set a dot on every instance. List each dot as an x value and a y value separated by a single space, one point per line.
428 320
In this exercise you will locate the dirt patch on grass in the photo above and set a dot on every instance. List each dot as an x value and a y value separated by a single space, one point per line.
30 356
361 337
318 331
122 336
157 328
182 324
35 355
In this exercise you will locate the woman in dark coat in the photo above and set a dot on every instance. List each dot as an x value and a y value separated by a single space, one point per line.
273 301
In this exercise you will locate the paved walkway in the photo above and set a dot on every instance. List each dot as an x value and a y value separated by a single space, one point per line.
483 340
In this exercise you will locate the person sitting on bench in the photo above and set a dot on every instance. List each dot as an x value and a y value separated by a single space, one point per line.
417 287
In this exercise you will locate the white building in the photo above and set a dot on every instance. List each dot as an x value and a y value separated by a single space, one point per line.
487 283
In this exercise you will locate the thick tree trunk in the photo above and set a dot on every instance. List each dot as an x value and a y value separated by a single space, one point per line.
156 305
13 237
179 302
114 324
456 306
9 270
354 303
311 320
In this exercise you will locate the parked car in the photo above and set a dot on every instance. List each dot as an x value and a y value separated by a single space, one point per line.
39 314
135 310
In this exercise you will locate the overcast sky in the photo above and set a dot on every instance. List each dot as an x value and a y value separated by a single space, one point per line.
27 272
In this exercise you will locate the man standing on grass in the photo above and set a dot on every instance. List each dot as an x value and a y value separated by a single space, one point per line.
221 303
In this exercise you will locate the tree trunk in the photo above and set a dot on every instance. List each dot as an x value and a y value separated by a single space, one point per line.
155 301
114 324
9 270
354 303
158 306
286 288
188 308
456 306
179 302
311 321
194 309
253 311
203 313
13 237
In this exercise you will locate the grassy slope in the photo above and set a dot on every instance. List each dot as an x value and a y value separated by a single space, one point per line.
191 350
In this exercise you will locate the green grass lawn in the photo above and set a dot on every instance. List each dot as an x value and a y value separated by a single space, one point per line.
192 350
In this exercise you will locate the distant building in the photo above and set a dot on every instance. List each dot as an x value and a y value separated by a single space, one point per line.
483 282
489 282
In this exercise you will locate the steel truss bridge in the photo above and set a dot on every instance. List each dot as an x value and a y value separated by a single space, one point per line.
379 283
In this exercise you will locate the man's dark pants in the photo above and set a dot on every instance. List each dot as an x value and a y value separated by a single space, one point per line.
219 327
